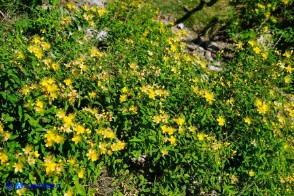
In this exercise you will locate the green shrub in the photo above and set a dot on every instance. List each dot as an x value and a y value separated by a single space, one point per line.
135 102
268 16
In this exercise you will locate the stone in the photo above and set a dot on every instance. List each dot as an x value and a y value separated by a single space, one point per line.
217 63
192 47
180 26
208 55
214 68
97 2
100 36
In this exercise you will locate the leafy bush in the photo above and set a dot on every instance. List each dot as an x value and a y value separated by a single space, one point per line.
73 101
267 16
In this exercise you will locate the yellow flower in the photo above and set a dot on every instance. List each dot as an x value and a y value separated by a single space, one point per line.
264 55
263 108
58 139
36 39
70 6
39 106
234 179
180 121
124 89
288 54
265 29
59 168
258 102
157 119
261 6
3 158
94 52
55 66
285 1
38 52
21 191
192 129
247 120
289 69
252 43
81 174
118 146
123 98
79 129
68 193
65 20
133 66
181 130
45 45
92 94
239 45
166 129
173 48
20 55
36 154
92 155
221 121
71 161
288 79
68 120
201 136
106 133
25 90
164 152
68 82
151 94
49 138
109 152
256 50
102 11
209 96
76 139
28 149
102 148
133 109
18 167
172 140
267 15
251 173
31 161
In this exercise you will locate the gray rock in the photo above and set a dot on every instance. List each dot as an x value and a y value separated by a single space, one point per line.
214 68
192 47
100 36
91 32
96 2
217 63
180 26
208 55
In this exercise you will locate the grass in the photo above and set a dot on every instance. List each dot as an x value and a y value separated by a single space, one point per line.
135 113
200 19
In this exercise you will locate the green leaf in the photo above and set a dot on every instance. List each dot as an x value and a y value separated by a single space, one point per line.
6 84
7 118
20 111
53 2
135 140
152 137
60 147
10 126
80 190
